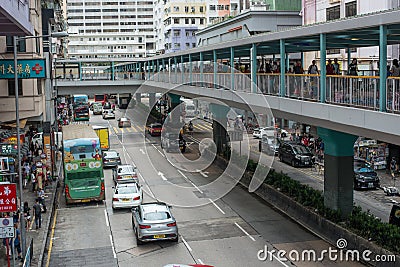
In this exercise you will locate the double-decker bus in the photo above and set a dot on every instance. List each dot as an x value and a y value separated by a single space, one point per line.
100 98
83 167
81 107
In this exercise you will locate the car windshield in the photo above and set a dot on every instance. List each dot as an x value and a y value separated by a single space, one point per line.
124 119
126 169
111 154
154 216
126 190
156 126
365 170
301 150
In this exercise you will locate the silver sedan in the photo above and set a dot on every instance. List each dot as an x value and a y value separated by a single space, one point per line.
154 221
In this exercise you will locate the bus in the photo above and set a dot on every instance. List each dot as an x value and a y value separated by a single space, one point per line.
81 107
83 166
100 98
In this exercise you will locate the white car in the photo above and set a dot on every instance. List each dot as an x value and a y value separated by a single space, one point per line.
259 132
127 195
125 173
108 114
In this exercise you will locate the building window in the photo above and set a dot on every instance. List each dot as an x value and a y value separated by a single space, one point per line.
226 7
176 8
201 9
177 33
193 45
220 7
21 44
186 21
11 87
201 20
187 33
351 9
187 45
193 21
192 9
212 7
333 13
176 20
186 9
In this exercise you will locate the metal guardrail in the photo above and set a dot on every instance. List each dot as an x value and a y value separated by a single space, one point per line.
354 91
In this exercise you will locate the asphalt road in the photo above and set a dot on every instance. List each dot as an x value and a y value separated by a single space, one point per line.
219 229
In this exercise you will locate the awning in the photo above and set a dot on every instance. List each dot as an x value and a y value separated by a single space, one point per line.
22 124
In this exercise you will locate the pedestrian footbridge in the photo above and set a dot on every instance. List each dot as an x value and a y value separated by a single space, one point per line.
341 106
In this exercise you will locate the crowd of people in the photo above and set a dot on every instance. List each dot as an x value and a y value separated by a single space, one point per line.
36 177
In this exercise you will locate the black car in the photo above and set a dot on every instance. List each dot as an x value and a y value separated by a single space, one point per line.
394 217
297 155
364 176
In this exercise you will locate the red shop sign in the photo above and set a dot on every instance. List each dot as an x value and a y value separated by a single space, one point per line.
8 197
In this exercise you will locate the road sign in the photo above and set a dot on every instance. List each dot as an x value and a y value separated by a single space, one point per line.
8 197
6 227
235 135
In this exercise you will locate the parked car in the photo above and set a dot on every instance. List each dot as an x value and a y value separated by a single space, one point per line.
259 132
154 129
172 142
270 145
154 221
365 176
127 195
394 217
111 158
125 173
124 122
108 114
107 105
297 155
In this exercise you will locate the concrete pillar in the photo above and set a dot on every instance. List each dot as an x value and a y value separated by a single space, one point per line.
338 170
283 67
201 67
152 100
175 112
215 68
190 69
382 67
138 97
322 93
219 113
112 71
253 68
232 61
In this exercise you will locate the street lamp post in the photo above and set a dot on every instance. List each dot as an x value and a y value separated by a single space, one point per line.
16 39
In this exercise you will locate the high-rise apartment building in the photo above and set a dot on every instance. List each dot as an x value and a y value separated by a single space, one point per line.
110 28
315 11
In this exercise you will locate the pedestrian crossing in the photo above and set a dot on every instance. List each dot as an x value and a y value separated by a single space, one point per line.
203 127
132 129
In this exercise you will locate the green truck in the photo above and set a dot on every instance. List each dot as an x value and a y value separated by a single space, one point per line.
104 136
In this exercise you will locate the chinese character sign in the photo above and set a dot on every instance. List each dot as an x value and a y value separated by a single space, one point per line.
8 197
26 69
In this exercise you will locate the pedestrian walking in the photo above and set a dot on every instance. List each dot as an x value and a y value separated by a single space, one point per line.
353 68
393 167
313 70
33 179
41 199
27 215
336 66
38 214
330 69
17 242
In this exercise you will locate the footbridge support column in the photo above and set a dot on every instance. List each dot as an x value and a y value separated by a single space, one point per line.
175 114
152 100
138 97
338 170
220 120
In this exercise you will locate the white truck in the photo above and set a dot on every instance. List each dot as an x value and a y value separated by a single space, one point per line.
189 110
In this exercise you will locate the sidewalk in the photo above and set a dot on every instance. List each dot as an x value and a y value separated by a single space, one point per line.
38 236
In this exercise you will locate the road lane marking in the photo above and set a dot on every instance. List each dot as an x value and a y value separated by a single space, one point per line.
141 150
244 231
195 186
200 261
162 176
158 150
107 222
204 174
186 244
216 206
53 227
115 129
112 247
128 129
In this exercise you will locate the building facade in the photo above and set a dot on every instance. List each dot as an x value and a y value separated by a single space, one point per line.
110 28
315 11
34 95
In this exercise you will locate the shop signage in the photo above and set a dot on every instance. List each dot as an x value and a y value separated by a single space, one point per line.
8 197
8 149
26 69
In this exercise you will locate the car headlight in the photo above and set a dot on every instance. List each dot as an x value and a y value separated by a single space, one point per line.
298 157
